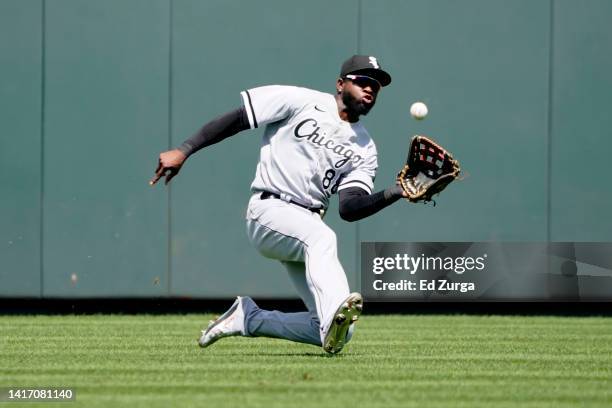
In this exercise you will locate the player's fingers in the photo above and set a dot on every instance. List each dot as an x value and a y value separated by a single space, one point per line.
154 180
158 174
170 175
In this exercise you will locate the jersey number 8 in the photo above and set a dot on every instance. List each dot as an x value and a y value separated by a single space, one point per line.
327 181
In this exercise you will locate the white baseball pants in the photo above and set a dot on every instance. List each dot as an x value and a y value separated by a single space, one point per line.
307 248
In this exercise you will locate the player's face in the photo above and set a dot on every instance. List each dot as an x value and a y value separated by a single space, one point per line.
359 93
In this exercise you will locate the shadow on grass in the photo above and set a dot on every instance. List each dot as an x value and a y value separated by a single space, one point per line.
297 354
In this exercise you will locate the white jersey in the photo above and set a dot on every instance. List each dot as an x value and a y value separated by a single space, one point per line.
308 152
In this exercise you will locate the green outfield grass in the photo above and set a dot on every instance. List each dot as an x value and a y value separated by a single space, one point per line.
393 361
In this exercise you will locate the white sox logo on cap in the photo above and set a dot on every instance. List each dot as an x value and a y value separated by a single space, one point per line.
365 65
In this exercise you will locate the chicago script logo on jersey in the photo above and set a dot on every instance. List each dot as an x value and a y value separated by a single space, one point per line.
308 129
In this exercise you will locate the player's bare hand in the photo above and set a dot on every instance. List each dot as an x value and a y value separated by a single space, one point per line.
169 165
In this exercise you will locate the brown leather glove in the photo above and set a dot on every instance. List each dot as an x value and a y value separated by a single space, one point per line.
428 170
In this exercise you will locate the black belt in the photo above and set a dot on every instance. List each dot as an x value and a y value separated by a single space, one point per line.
266 194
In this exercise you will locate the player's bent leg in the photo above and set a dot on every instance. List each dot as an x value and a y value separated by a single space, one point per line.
301 327
325 275
285 232
297 272
273 243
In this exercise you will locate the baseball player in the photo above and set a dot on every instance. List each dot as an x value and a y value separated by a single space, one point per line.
313 147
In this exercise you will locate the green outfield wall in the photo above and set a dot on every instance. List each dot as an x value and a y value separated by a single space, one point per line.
92 91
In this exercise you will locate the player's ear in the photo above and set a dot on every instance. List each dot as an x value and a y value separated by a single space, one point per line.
339 85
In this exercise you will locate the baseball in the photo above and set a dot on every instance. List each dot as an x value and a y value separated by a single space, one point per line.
418 110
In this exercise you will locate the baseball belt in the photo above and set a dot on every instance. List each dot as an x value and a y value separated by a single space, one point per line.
267 194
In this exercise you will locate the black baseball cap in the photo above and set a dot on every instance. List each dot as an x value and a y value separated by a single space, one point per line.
365 65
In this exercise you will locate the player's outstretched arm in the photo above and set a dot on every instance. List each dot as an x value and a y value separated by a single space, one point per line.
222 127
356 203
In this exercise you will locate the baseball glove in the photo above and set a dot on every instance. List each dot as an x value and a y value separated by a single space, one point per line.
429 169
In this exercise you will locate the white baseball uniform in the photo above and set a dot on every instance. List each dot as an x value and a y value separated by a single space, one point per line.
308 153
